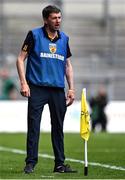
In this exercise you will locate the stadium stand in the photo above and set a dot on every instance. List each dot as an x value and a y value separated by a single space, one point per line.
97 39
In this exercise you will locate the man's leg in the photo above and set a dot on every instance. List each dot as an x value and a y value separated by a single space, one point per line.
57 105
103 123
36 102
94 122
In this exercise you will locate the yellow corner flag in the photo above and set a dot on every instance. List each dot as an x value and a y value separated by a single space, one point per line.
85 118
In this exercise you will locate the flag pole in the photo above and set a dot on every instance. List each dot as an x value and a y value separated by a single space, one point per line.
85 149
86 159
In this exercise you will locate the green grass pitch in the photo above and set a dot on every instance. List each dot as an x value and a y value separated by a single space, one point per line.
106 156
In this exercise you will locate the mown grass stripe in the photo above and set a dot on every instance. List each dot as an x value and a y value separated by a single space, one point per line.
18 151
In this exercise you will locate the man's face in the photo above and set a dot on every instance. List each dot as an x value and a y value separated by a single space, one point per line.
53 22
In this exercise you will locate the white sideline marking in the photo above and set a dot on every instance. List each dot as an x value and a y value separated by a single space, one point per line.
18 151
47 176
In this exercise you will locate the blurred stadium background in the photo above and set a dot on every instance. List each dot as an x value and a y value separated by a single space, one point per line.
97 38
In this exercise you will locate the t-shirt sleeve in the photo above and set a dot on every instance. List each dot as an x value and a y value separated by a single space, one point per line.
69 54
28 44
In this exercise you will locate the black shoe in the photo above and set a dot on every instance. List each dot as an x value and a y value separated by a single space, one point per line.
64 169
29 168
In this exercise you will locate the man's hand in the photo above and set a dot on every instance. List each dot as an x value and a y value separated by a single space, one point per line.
25 90
70 97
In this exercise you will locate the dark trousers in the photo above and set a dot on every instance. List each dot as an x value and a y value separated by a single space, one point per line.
55 98
102 120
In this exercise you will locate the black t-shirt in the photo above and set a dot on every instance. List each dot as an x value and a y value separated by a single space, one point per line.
28 44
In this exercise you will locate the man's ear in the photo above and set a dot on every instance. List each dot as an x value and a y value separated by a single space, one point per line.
45 21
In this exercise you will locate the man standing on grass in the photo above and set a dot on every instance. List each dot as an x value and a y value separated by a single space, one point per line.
48 62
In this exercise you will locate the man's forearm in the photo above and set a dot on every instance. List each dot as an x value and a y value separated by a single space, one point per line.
21 72
24 88
70 81
69 76
20 68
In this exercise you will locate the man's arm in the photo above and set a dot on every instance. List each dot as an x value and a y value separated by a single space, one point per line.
69 77
24 88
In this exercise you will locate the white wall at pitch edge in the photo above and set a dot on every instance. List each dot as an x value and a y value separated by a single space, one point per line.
13 117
